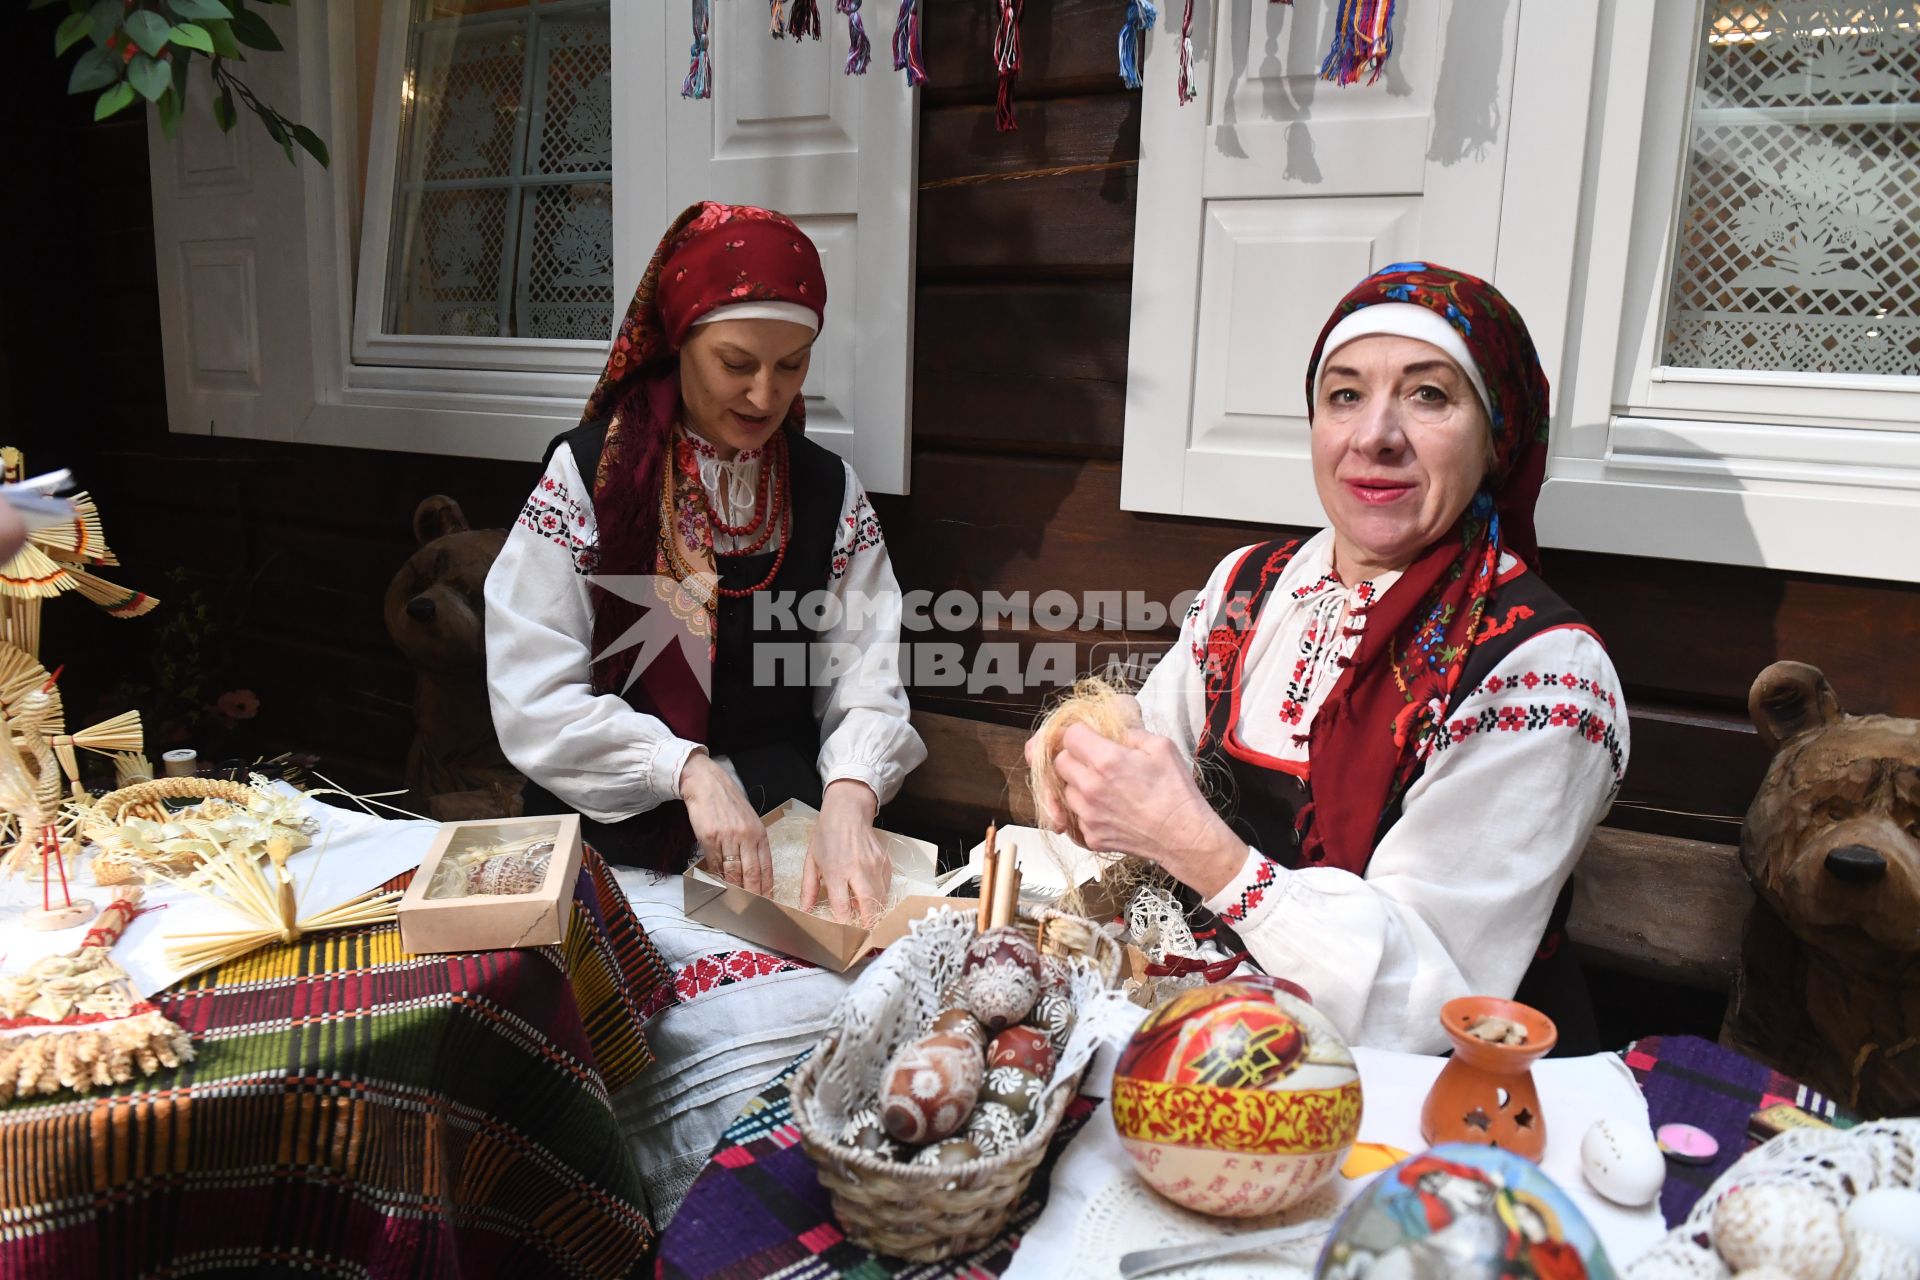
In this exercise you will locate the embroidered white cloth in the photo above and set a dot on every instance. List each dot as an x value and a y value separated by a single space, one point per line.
598 754
1097 1209
1459 890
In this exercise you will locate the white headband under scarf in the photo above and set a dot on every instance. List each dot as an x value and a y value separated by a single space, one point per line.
1402 320
791 312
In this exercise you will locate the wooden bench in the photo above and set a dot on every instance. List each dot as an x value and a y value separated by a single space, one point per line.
1659 906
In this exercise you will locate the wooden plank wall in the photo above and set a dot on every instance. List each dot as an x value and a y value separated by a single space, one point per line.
1020 367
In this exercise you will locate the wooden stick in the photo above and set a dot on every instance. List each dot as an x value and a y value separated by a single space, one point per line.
1006 888
988 866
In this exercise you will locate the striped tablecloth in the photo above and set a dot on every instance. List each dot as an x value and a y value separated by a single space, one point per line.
358 1111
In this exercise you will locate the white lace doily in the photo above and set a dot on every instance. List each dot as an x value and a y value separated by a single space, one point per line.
1837 1163
898 996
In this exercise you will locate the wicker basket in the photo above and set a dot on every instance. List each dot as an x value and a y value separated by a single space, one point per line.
147 800
924 1213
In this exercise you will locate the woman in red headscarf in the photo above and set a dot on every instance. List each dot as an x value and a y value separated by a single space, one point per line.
651 618
1410 735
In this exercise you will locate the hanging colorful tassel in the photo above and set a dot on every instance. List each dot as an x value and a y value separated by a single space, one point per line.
907 55
779 27
1187 91
1362 41
1006 57
805 20
859 48
699 81
1133 39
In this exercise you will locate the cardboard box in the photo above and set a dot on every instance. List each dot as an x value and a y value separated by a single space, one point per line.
493 922
793 932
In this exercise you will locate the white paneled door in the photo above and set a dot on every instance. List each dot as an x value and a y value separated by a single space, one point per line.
1264 200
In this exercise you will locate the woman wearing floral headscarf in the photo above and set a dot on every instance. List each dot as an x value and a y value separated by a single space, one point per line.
687 501
1413 736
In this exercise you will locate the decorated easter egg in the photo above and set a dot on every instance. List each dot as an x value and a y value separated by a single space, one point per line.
1053 1014
958 1022
864 1130
1784 1225
929 1087
952 1151
1016 1090
1025 1047
1002 976
1467 1212
994 1128
1236 1099
1622 1162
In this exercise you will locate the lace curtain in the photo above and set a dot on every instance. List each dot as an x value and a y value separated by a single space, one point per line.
503 221
1799 244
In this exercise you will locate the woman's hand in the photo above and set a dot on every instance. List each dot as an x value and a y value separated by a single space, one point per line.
847 855
1139 798
733 840
1129 708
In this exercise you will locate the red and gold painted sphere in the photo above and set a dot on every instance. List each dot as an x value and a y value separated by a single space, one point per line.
1236 1099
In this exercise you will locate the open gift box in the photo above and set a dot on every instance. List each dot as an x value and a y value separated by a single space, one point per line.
441 911
817 939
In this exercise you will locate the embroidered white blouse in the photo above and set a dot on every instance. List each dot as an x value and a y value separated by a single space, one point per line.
1459 890
609 761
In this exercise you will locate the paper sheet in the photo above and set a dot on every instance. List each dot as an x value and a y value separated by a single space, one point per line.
351 853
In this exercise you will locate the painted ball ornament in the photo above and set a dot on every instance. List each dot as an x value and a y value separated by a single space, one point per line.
1467 1212
1002 977
929 1086
1236 1099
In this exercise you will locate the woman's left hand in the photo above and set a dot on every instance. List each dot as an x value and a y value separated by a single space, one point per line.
1139 798
847 855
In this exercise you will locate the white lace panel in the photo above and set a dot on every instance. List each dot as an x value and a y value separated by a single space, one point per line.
1798 244
503 217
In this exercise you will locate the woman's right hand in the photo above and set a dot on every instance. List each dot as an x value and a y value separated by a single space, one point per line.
733 840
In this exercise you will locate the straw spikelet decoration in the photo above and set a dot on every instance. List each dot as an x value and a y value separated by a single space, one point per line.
83 540
264 894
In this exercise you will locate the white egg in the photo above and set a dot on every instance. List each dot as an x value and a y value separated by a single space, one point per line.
1780 1225
1893 1212
1622 1162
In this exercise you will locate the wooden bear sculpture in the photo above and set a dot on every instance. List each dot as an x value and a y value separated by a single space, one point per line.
437 619
1829 984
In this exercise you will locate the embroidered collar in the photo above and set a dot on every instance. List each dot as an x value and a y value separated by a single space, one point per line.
705 451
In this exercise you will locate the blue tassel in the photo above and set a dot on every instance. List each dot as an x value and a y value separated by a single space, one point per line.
699 81
859 48
1133 40
907 55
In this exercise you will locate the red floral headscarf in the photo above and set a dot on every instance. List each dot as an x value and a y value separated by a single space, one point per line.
712 256
1365 743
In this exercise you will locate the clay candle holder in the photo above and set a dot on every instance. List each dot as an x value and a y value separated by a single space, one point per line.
1485 1093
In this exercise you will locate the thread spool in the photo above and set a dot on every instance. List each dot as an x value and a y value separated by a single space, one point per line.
179 763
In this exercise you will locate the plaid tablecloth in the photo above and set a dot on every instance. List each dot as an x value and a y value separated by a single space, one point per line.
358 1111
758 1209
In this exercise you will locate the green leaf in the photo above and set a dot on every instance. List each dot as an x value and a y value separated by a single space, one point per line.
150 76
311 141
188 36
41 4
117 98
223 114
221 33
103 19
180 67
199 9
96 69
72 30
250 29
169 108
274 130
149 30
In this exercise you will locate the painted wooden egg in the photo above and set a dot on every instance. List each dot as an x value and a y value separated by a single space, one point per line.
1466 1212
1025 1047
1016 1090
1002 976
1780 1225
929 1087
994 1128
1053 1014
1236 1099
958 1022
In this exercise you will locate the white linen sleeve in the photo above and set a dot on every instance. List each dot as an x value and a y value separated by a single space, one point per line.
593 751
1173 700
865 733
1459 890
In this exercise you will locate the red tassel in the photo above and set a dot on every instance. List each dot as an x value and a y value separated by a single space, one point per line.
805 19
1187 92
1006 57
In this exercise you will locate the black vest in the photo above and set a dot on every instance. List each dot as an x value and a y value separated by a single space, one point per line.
1262 804
761 717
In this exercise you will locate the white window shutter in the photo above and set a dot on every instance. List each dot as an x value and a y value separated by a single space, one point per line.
787 129
1266 199
230 237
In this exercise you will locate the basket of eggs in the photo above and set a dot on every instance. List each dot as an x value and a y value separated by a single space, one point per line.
946 1070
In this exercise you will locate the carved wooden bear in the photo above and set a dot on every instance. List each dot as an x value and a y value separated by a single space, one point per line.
1829 987
437 618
